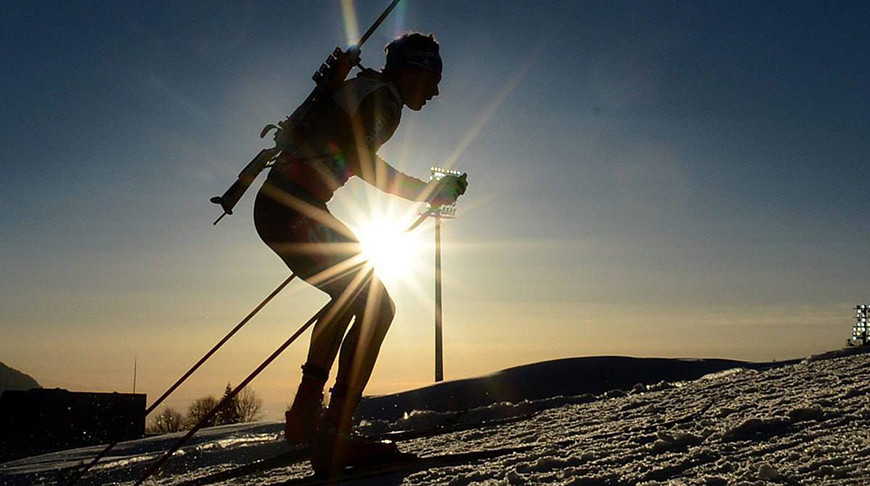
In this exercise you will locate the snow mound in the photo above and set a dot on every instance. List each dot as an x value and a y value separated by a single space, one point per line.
804 423
564 377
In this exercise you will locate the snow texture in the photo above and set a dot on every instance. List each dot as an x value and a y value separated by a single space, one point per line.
800 424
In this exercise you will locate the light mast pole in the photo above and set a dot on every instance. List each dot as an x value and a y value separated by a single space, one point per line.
439 343
439 213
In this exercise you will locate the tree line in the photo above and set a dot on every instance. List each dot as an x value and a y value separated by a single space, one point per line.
244 407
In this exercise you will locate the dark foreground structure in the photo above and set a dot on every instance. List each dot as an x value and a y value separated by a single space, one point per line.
39 420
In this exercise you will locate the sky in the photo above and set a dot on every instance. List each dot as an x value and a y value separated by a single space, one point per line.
675 179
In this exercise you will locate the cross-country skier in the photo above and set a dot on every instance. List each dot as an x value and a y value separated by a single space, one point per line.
338 139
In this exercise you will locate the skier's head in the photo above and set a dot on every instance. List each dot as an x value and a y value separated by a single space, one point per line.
414 64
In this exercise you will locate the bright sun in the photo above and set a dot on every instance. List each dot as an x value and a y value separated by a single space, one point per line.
393 252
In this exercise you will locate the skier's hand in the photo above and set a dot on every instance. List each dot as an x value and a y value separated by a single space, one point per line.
284 133
447 189
345 60
340 63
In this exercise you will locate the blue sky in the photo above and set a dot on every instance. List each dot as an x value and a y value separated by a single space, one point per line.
647 178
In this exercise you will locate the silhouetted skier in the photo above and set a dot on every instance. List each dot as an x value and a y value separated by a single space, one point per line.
339 139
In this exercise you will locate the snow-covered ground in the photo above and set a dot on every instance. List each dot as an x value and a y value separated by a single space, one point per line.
806 423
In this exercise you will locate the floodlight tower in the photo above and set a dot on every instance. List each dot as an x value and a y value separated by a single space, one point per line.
860 336
439 212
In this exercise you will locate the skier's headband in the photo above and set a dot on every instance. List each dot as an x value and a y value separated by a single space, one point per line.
414 51
430 61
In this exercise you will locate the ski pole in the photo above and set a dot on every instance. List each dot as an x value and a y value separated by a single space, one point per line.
78 475
263 365
377 23
420 219
154 467
244 321
341 305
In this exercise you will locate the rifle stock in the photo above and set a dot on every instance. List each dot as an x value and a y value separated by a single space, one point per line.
231 196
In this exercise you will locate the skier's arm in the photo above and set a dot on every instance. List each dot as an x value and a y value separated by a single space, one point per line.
376 119
390 180
387 178
375 123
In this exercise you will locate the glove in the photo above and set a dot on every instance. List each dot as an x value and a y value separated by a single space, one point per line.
447 189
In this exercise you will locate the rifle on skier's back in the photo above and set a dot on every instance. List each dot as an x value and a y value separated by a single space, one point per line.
328 78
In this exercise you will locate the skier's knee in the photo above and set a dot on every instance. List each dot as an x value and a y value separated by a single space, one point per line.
382 309
377 297
375 305
388 308
385 305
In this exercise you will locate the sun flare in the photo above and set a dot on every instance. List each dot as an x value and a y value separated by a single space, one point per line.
394 253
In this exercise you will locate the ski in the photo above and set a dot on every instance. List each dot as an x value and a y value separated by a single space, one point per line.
302 453
403 435
283 459
405 465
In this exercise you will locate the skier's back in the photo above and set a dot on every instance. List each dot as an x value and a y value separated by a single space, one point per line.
337 139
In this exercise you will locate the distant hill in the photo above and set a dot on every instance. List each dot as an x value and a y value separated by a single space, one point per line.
565 377
12 379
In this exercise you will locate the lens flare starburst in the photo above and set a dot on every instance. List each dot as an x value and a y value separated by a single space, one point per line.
395 254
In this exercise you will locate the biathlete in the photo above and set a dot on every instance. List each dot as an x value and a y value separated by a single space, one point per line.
339 139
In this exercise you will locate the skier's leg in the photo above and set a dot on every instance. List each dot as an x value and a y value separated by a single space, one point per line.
304 415
323 252
303 418
363 344
335 447
300 421
330 330
326 338
374 312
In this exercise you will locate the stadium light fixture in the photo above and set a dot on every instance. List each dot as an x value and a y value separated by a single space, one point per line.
860 335
439 213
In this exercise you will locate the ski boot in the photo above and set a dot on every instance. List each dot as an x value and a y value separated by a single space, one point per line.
332 452
335 448
303 418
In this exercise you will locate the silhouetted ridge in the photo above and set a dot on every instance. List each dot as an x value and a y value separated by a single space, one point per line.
12 379
562 377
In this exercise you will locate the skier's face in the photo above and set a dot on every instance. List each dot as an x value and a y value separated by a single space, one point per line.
418 86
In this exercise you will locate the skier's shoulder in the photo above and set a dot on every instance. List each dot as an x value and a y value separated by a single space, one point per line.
375 82
369 89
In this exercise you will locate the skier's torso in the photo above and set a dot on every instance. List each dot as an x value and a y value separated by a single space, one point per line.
359 117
